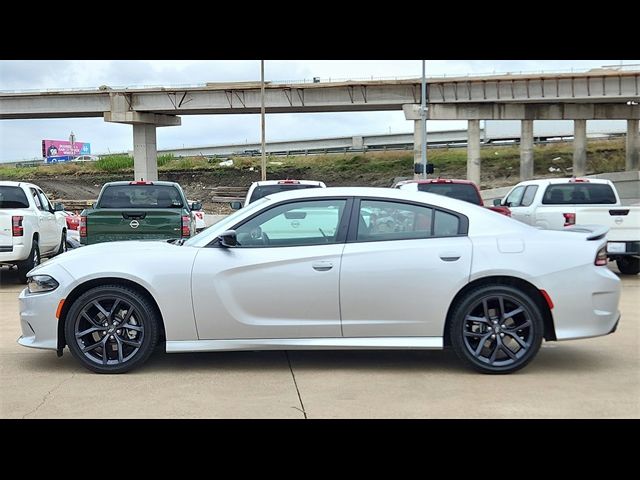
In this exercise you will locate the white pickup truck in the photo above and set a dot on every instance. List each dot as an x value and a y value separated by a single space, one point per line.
562 202
29 227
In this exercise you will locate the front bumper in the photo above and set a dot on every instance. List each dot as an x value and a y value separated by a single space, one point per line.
38 313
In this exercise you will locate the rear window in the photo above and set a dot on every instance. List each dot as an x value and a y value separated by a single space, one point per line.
13 197
140 196
578 193
459 191
264 190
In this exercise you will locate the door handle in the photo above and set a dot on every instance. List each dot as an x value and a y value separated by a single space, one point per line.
449 256
322 266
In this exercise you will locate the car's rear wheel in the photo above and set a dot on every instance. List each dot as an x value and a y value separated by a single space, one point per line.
32 261
111 329
628 265
63 243
496 329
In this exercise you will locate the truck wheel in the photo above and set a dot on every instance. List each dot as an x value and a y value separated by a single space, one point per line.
63 243
31 262
629 265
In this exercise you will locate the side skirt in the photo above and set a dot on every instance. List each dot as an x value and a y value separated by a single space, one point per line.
372 343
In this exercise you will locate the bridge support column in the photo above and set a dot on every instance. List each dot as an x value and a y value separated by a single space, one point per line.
473 151
417 147
632 161
526 149
579 147
145 152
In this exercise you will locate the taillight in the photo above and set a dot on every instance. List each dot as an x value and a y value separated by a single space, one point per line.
569 219
83 226
17 230
141 182
601 257
186 226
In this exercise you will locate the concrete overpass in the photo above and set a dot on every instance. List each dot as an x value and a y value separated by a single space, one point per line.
596 94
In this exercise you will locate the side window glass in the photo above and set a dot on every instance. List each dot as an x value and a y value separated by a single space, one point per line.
45 201
36 199
445 225
515 197
385 220
312 222
529 194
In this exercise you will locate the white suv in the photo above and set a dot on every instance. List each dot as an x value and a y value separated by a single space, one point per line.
29 226
262 189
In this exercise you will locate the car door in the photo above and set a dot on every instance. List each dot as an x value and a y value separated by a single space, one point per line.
281 280
402 265
46 223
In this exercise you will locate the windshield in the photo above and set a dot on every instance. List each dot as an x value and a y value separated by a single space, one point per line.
459 191
13 197
264 190
140 196
224 224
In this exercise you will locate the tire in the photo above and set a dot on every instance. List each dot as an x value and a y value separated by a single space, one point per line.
109 349
63 242
628 265
32 261
489 342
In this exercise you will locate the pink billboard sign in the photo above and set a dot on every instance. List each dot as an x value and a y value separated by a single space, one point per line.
56 148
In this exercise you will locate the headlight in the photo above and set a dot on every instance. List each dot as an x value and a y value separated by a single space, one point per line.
41 283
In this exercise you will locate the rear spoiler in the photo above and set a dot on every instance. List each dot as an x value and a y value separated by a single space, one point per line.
596 232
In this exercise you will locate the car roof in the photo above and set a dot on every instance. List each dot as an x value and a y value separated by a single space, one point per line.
129 182
389 193
549 181
437 180
263 183
10 183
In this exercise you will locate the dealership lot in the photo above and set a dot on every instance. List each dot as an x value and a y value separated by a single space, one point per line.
594 378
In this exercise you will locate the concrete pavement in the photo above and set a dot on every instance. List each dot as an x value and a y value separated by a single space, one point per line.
594 378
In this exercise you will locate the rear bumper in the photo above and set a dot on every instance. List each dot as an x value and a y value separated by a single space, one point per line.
17 254
586 301
630 248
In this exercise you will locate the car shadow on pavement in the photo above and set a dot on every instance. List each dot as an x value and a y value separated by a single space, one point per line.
9 277
556 360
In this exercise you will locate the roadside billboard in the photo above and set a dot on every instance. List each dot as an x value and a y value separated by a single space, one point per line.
54 151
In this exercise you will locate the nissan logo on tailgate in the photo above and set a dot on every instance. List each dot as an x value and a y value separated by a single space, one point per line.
134 224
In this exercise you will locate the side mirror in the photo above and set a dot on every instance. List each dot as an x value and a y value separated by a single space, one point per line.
58 207
228 238
236 205
497 202
196 206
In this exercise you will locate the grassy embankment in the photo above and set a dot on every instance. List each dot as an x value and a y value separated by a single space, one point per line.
500 164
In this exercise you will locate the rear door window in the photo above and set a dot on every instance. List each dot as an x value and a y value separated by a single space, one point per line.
578 193
141 196
13 197
264 190
460 191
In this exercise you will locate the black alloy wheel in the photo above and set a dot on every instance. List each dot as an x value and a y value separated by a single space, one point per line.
111 329
496 329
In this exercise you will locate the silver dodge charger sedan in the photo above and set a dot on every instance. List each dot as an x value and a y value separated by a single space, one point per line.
334 268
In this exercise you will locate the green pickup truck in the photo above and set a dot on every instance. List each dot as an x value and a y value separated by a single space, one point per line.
138 211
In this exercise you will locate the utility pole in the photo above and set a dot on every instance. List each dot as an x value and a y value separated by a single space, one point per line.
264 158
423 119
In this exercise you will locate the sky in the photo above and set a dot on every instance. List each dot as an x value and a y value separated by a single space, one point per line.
21 139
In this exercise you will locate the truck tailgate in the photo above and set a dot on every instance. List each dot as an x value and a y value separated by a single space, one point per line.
6 237
623 222
106 225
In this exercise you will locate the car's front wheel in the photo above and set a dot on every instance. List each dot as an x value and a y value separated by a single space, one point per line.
496 329
111 329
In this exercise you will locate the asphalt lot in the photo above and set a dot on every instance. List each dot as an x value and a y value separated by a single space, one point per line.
593 378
